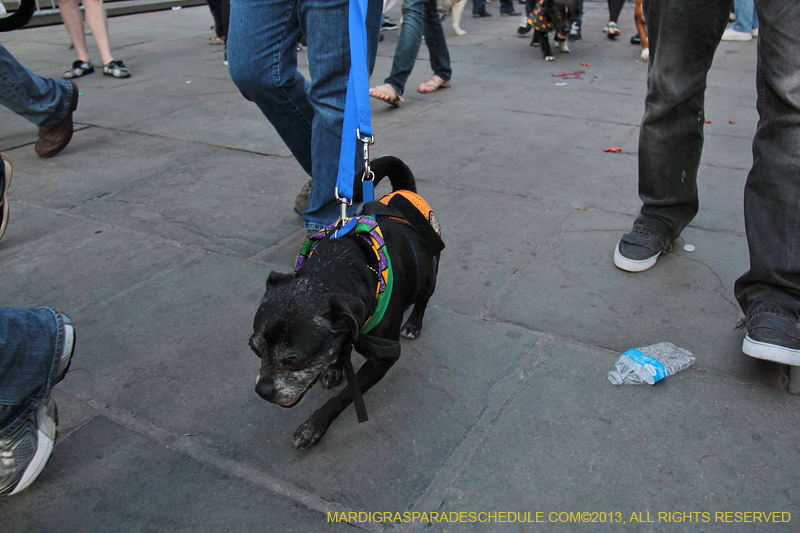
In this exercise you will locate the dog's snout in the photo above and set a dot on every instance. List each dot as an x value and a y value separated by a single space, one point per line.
265 389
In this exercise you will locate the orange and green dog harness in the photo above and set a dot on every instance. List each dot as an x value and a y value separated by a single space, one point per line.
367 228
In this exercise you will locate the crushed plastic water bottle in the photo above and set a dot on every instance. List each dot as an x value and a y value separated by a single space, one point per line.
650 364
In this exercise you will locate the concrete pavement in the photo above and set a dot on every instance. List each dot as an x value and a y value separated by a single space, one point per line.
157 226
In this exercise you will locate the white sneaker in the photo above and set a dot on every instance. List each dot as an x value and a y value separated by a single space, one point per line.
732 35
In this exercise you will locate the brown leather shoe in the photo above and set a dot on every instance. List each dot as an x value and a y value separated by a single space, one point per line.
52 141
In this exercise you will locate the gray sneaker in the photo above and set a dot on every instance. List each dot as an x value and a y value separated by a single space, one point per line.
24 454
301 202
636 252
773 338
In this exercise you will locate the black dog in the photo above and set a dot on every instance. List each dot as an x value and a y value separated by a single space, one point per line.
308 321
552 15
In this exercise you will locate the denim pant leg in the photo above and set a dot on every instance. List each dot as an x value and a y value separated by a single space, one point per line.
42 101
746 17
407 49
478 6
506 6
684 35
308 115
435 41
772 192
31 341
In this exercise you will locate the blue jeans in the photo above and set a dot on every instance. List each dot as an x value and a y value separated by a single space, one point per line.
43 101
31 342
684 35
308 115
420 17
746 17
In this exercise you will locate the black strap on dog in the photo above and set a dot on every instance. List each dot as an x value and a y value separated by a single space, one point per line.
352 382
400 207
419 222
372 348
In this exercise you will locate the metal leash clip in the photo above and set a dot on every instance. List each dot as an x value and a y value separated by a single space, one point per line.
343 203
368 192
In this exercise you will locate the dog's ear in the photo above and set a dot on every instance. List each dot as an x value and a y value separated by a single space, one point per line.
347 315
276 278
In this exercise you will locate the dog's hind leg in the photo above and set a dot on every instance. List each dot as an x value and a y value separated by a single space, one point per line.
312 430
458 9
413 326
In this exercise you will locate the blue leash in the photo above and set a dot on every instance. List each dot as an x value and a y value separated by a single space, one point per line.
357 114
357 128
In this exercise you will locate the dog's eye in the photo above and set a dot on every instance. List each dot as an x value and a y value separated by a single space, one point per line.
292 363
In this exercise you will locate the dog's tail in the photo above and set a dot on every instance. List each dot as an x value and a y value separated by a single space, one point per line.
398 172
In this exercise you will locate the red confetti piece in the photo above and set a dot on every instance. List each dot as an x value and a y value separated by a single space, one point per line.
585 64
708 122
613 150
731 122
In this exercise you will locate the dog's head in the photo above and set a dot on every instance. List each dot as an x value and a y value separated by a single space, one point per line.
561 13
299 330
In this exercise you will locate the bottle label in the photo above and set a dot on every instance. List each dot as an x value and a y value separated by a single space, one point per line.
654 365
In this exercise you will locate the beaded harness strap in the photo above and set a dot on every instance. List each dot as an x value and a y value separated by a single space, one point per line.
367 229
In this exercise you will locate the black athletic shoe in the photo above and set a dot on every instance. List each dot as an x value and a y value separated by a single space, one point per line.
481 15
636 252
773 338
389 26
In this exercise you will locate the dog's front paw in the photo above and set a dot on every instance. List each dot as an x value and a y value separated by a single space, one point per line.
410 331
549 58
307 435
331 376
459 31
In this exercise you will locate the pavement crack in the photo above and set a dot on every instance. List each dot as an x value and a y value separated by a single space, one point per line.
503 390
101 195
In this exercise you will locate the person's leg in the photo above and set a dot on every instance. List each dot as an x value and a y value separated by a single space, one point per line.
43 101
684 35
98 22
262 62
215 6
478 7
36 348
769 293
73 22
614 9
405 53
307 115
745 10
226 16
507 8
435 41
575 30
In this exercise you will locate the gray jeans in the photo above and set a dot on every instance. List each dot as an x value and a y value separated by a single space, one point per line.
684 35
